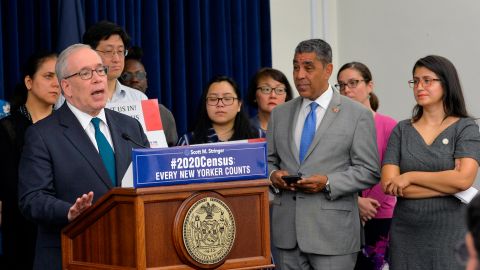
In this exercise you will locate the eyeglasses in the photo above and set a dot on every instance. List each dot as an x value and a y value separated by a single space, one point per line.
227 101
87 74
140 75
351 84
267 90
110 54
426 82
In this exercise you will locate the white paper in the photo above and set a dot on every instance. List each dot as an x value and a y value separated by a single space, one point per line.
156 138
467 195
127 180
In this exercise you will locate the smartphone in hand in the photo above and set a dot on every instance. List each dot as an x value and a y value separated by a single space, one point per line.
290 179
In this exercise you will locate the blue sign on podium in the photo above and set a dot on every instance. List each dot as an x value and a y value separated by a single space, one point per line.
199 164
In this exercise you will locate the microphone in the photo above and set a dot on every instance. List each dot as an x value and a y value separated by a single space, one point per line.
127 137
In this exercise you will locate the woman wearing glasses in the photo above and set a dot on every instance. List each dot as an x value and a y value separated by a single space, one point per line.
429 158
221 117
376 207
34 100
268 88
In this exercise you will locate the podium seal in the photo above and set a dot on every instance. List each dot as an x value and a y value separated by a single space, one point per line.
204 230
209 230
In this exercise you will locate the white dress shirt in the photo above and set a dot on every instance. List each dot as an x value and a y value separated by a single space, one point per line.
86 122
124 93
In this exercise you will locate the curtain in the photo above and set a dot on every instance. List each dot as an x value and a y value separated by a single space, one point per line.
185 42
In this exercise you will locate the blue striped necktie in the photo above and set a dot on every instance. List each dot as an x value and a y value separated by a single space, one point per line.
308 132
105 150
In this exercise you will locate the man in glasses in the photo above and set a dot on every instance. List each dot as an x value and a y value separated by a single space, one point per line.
74 156
134 74
110 41
327 144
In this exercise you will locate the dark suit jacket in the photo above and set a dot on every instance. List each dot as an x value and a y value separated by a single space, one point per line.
59 163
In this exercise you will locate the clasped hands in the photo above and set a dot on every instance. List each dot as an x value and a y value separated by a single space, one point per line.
311 184
395 186
368 208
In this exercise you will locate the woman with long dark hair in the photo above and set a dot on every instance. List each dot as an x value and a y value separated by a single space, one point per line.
220 115
430 158
35 98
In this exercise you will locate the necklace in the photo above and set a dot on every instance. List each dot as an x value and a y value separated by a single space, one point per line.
23 110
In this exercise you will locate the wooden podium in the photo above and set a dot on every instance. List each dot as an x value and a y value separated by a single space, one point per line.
143 228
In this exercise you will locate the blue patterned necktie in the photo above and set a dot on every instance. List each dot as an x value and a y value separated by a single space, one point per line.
105 150
308 132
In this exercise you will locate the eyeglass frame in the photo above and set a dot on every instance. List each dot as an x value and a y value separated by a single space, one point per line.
112 53
220 99
341 86
425 82
105 69
267 90
134 75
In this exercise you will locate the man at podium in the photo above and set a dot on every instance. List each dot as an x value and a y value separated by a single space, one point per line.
75 155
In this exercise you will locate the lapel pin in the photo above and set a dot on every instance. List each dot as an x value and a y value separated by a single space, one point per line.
335 109
445 141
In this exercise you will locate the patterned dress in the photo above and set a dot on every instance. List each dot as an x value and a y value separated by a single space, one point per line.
424 232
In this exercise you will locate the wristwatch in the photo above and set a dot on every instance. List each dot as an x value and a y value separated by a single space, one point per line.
326 189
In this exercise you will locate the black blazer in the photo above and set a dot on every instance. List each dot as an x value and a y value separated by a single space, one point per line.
59 163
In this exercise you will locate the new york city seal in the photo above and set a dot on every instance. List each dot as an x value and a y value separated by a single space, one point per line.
209 230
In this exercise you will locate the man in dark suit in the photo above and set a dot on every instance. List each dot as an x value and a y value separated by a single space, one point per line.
111 42
74 154
330 141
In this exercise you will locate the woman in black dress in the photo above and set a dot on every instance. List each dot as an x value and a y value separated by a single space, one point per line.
35 99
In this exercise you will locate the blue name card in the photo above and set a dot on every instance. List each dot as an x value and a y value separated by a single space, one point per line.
199 164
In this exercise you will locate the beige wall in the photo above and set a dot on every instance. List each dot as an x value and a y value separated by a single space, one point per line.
294 21
388 36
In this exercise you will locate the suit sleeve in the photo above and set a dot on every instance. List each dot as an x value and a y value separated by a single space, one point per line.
272 155
36 186
364 169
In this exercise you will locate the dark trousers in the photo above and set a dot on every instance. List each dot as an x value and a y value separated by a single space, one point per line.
374 254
